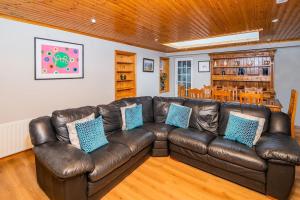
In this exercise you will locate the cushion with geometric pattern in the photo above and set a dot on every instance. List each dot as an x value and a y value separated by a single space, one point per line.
179 116
240 129
91 134
134 117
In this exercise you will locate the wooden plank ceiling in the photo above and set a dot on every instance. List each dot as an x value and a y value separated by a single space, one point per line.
142 22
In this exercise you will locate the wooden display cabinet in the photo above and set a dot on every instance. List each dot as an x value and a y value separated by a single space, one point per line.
125 83
164 75
243 69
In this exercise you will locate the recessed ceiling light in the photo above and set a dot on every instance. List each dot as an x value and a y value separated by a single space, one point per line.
275 20
93 20
156 40
219 40
281 1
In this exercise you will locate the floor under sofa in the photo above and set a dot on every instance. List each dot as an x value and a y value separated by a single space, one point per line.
157 178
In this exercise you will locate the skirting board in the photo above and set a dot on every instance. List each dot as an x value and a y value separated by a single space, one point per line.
14 137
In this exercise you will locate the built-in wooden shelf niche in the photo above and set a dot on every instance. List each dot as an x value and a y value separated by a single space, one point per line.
125 82
243 69
164 75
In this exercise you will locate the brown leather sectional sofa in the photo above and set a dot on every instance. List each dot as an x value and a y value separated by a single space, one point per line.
67 173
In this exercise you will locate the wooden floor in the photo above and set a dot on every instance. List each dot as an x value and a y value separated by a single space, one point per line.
156 179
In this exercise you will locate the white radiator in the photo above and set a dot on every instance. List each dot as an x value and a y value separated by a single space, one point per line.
14 137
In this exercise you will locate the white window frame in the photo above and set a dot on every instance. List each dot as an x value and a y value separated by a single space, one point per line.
176 72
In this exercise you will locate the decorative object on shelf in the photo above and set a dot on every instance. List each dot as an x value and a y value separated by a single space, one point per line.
237 63
215 64
163 79
241 71
265 71
225 63
223 72
203 66
148 65
164 75
123 77
57 59
266 62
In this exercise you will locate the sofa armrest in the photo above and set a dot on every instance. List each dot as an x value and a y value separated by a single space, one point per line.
277 146
63 160
41 131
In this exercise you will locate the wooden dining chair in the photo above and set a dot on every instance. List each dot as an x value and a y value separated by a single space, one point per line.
221 95
181 91
233 93
251 98
195 93
292 110
253 90
207 91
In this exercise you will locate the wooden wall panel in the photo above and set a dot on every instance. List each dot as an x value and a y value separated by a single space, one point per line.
142 22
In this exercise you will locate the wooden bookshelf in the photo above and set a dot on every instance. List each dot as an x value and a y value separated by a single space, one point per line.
243 69
125 83
164 75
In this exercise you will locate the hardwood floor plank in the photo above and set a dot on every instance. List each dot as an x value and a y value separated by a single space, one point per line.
157 178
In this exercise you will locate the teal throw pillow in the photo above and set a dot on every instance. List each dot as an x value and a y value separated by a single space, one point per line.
241 130
134 117
179 116
91 134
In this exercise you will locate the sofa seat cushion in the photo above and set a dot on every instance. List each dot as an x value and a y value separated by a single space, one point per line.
236 153
212 161
136 139
192 139
107 159
160 130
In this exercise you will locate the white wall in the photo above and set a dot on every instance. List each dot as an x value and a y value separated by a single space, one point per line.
22 97
287 68
287 76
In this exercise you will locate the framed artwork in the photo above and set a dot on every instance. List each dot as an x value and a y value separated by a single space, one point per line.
57 59
148 65
203 66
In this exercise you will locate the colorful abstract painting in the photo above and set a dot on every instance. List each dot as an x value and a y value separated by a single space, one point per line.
57 60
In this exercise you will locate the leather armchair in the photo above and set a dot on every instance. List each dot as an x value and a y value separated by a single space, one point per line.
63 160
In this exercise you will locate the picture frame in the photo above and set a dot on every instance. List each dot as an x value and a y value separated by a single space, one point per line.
54 59
203 66
148 65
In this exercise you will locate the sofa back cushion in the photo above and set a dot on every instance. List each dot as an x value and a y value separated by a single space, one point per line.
161 107
111 115
147 105
60 118
205 114
253 110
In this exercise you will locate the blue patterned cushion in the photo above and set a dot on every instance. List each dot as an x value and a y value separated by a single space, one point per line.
179 116
241 130
134 117
91 134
